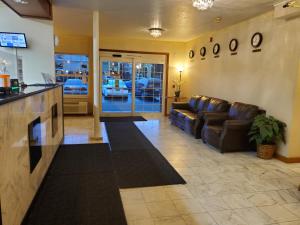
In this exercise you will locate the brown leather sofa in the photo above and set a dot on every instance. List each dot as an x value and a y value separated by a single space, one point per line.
189 116
229 131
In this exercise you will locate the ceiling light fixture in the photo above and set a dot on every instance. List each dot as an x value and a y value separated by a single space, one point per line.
156 32
23 2
203 4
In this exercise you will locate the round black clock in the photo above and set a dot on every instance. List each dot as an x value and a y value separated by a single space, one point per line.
203 51
216 49
256 40
233 45
191 54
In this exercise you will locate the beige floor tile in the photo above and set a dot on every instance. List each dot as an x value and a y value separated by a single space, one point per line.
215 203
294 208
237 201
162 209
188 206
170 221
228 217
154 194
131 196
278 213
142 222
260 199
291 223
199 219
253 216
136 211
178 192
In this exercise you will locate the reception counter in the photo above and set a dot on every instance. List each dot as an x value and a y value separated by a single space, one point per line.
31 130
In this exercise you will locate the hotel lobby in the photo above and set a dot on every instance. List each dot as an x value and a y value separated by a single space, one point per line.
149 112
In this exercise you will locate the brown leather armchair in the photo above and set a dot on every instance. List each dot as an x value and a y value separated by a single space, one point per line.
229 131
189 116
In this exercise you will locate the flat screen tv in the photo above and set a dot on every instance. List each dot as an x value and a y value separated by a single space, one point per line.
13 40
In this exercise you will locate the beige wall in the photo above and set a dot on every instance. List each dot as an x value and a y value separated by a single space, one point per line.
267 78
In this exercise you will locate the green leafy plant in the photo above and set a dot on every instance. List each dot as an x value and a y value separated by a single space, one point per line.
266 130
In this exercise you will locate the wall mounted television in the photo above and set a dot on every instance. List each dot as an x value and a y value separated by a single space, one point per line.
13 40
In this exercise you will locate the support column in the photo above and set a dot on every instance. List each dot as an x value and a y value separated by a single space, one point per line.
96 69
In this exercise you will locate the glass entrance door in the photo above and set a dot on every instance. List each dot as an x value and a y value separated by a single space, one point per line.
132 84
149 87
116 86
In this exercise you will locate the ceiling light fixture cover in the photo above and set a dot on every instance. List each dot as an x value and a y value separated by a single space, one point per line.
156 32
203 4
22 2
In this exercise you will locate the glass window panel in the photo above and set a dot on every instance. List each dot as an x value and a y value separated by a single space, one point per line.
72 71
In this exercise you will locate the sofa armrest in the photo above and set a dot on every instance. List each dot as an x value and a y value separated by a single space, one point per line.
180 105
207 114
237 125
215 120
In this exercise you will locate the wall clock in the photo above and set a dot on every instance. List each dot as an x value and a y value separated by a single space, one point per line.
216 49
203 51
233 45
257 40
191 54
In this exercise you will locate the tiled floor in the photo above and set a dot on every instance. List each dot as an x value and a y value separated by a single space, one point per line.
222 189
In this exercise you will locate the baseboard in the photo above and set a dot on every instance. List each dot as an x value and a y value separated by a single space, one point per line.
287 160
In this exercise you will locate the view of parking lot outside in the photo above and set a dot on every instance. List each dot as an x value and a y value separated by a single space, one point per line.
72 70
117 87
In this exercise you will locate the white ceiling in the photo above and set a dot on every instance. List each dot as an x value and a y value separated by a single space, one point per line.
132 18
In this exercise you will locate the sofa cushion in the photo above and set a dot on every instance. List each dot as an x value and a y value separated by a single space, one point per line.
203 103
241 111
193 103
217 105
191 116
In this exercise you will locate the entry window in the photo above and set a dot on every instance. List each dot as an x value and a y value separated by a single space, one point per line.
72 70
149 87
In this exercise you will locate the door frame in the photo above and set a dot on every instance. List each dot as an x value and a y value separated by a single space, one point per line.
167 63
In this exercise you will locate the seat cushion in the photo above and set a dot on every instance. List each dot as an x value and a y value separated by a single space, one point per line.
190 116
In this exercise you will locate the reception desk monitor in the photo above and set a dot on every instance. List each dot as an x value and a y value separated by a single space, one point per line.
13 40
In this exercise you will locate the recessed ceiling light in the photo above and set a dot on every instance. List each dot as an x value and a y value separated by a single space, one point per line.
23 2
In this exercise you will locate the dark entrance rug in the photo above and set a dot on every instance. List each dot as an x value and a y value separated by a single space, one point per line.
122 119
136 161
79 189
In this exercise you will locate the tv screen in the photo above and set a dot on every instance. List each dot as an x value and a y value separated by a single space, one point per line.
13 40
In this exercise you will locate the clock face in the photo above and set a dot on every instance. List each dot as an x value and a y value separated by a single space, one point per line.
216 49
256 40
191 54
233 45
203 51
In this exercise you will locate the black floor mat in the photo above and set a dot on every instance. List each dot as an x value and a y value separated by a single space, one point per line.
75 192
136 161
122 119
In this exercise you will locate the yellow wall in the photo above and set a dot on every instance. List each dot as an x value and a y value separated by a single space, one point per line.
267 79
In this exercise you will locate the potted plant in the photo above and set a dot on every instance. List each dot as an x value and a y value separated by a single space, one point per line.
267 132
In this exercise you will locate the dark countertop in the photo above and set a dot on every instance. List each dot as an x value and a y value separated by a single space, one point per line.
26 92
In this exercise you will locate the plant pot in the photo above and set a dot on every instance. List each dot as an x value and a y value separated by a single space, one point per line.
266 151
177 94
